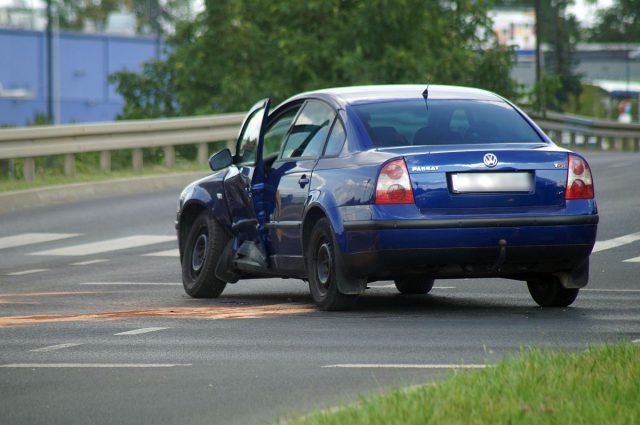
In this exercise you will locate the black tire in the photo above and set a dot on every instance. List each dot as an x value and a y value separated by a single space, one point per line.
414 285
322 269
548 292
204 244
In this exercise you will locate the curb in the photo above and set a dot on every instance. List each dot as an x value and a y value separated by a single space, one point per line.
77 192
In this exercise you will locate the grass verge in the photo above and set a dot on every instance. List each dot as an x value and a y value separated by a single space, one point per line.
597 386
43 180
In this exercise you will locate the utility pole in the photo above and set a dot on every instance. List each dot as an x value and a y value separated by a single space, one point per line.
49 62
540 89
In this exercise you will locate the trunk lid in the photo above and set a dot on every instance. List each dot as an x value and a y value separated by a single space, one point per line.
515 179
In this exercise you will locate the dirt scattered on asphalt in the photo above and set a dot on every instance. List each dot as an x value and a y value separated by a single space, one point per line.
215 312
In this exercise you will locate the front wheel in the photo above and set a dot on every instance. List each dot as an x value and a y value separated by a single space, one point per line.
204 244
322 269
548 292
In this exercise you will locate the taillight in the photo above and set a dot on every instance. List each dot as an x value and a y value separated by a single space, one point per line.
394 185
579 181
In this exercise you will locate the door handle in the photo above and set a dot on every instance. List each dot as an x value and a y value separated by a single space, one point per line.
304 180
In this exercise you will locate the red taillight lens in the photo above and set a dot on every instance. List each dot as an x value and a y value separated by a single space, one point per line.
579 181
394 185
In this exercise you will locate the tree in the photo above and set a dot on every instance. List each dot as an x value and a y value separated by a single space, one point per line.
618 23
561 33
238 51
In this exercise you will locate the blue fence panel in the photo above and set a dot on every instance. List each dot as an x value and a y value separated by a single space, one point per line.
86 61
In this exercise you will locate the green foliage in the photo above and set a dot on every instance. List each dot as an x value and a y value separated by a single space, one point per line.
618 23
597 386
231 56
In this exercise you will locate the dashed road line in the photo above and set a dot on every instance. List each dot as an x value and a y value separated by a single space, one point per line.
632 260
636 341
33 238
25 272
92 365
89 262
616 242
140 331
609 290
405 366
132 283
55 347
392 285
100 247
168 253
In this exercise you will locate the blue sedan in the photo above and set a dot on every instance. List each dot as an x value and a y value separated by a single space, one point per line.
347 186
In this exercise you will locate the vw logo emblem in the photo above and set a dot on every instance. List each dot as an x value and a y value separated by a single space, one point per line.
490 160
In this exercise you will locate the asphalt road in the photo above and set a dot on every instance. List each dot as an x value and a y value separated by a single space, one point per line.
103 333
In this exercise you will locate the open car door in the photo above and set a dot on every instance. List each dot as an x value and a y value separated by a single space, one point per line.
244 191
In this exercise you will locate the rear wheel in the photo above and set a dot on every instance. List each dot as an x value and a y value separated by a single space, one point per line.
548 292
414 285
322 270
204 244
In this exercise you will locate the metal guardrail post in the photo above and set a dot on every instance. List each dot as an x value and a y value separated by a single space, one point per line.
137 159
69 165
169 156
29 169
105 161
203 153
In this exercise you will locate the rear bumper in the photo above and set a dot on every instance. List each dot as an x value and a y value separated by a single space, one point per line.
452 223
468 247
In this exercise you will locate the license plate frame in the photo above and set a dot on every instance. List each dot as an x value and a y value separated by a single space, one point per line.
492 182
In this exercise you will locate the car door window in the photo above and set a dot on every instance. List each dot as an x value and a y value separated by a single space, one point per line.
308 134
248 142
277 131
336 139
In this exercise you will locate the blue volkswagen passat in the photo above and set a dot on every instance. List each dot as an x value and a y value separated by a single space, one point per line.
346 186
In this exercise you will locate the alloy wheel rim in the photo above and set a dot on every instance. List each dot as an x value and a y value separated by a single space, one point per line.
323 265
199 251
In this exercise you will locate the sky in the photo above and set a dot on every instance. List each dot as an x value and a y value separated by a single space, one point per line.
583 11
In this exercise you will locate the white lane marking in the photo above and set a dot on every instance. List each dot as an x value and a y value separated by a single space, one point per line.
632 260
405 366
32 238
140 331
24 272
87 263
55 347
392 285
636 341
107 246
92 365
169 253
616 242
134 283
609 290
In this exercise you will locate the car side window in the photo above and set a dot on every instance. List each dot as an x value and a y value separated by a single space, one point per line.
248 143
336 139
308 134
275 135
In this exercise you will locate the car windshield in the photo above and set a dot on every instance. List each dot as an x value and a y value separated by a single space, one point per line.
444 122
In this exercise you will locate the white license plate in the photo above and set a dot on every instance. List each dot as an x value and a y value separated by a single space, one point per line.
491 182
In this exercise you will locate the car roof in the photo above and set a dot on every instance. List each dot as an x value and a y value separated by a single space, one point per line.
342 96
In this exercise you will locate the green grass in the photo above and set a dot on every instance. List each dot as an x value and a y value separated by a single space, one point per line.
597 386
91 175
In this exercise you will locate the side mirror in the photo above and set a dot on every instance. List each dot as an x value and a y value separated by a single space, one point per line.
220 160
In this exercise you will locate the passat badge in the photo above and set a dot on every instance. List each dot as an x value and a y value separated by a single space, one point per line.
490 160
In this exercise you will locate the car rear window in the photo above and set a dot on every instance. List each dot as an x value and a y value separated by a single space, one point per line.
444 122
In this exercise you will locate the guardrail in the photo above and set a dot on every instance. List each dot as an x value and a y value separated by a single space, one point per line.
577 132
68 140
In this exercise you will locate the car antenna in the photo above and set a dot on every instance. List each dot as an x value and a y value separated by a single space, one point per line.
425 94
